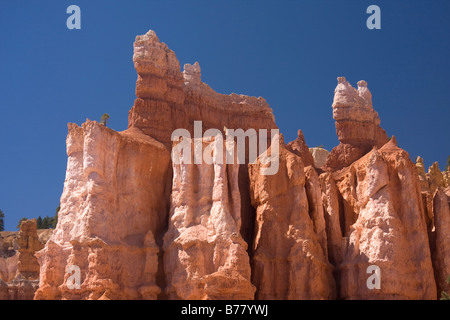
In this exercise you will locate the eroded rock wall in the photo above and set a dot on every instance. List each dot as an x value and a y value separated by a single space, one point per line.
290 254
376 217
357 124
113 215
205 255
140 225
168 99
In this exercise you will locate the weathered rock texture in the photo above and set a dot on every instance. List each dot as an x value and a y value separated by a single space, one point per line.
9 251
290 254
435 177
429 182
375 217
9 256
141 226
319 156
446 176
29 243
441 254
19 268
299 147
357 124
424 184
112 218
168 99
205 255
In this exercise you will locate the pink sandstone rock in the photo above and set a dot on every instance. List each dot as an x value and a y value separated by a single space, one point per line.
113 212
379 210
357 124
142 227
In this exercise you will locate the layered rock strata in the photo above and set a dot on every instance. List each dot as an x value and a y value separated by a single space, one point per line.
168 99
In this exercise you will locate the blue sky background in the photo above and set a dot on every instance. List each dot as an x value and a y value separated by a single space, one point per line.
289 52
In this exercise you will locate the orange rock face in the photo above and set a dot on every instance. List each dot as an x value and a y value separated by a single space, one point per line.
135 223
205 255
376 217
290 239
168 99
441 254
299 147
29 243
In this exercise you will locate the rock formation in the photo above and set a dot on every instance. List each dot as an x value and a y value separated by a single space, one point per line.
299 147
19 268
168 99
424 185
112 218
446 176
357 124
290 254
205 255
441 254
9 256
377 218
136 223
429 182
319 156
435 177
29 243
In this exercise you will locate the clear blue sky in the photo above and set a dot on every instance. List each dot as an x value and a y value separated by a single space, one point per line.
289 52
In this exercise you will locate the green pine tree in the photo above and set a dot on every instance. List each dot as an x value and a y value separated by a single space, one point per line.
45 223
104 119
39 222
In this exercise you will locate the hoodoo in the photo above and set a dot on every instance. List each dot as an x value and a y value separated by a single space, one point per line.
140 226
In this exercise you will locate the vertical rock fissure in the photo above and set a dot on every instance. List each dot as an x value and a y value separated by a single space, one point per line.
341 214
248 212
161 279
